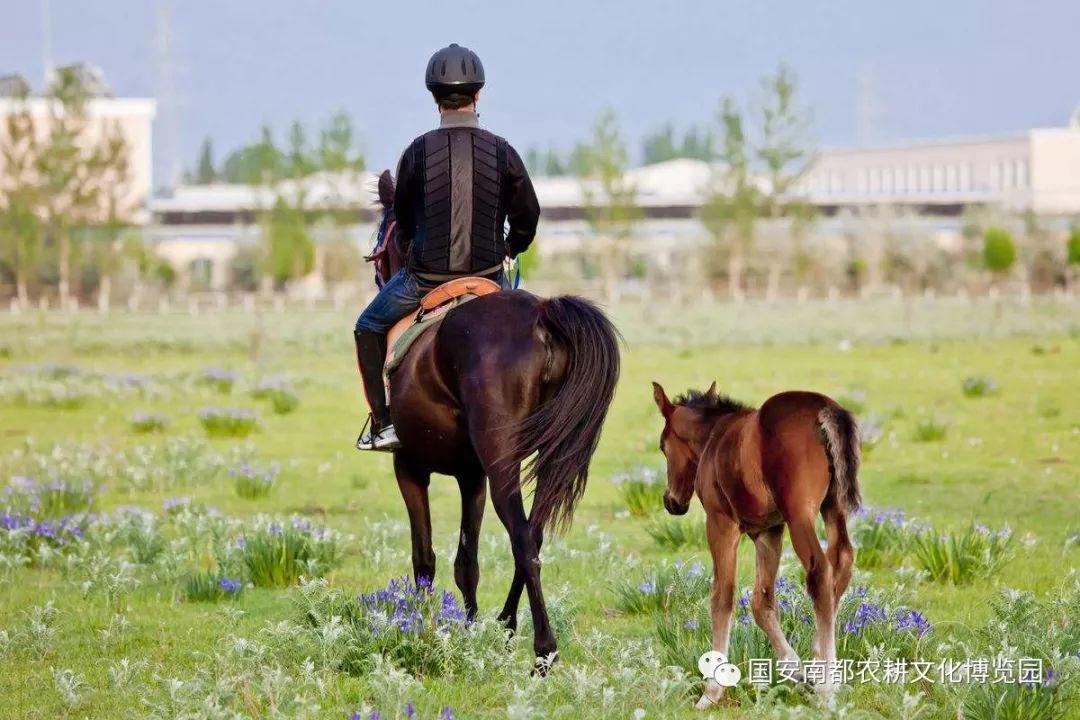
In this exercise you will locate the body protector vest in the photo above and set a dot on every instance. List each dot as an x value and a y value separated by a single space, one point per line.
457 188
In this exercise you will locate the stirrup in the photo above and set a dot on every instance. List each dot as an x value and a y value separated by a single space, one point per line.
385 439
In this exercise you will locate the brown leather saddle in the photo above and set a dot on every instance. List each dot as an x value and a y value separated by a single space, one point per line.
433 308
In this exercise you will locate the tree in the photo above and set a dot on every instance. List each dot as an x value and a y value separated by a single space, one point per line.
999 250
20 226
732 203
1072 247
610 201
205 172
661 146
783 152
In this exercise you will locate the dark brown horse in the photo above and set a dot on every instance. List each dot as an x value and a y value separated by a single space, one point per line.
754 471
504 378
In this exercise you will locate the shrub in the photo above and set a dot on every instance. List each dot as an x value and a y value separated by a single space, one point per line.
960 557
931 429
674 533
276 554
641 489
999 250
980 386
253 481
142 422
207 586
228 422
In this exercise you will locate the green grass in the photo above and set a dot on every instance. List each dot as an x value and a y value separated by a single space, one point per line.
1010 458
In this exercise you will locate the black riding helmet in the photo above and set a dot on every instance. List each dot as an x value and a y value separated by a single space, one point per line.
454 69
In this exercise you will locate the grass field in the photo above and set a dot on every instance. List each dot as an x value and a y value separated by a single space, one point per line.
970 412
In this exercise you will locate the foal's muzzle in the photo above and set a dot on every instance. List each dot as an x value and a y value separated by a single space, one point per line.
673 506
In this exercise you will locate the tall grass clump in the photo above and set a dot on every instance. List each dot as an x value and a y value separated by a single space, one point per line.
931 429
209 586
218 379
959 557
144 423
52 499
228 422
252 481
675 533
641 489
882 537
661 588
417 628
979 386
277 554
283 399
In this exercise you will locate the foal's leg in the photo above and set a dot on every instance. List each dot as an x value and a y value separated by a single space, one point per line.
819 584
466 565
413 483
763 604
841 554
723 535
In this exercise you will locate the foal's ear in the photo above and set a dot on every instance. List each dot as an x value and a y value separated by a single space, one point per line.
661 399
711 392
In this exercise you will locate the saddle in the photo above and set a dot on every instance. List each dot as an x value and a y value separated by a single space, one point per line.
433 308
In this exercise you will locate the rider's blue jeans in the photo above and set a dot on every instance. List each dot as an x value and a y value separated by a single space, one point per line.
398 297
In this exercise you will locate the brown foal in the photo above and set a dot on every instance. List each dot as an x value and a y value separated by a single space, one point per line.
754 471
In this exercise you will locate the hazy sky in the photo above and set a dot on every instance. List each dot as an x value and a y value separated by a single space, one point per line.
929 67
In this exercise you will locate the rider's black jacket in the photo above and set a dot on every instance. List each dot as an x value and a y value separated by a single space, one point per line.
456 187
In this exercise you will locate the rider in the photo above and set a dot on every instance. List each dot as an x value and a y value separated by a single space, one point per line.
456 187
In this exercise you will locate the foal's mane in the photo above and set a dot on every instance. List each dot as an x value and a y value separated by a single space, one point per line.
710 401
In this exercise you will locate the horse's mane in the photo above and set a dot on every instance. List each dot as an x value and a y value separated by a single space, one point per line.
710 401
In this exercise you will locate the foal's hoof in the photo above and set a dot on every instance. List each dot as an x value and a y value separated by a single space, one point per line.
543 663
713 692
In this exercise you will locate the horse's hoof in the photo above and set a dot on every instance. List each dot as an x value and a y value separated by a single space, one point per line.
543 663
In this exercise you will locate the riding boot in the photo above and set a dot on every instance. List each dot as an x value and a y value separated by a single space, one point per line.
371 356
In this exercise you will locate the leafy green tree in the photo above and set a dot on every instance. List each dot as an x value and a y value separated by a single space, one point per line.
999 250
20 226
1072 247
732 203
610 205
205 171
661 145
783 153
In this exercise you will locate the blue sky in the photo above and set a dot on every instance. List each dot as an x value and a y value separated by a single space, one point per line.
936 68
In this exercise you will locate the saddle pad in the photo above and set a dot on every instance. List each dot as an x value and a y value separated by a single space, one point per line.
426 322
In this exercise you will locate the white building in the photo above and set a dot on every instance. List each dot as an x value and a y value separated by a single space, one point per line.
1038 170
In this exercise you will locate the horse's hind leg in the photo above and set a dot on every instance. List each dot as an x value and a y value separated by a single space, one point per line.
508 616
819 584
466 564
723 535
506 496
413 483
841 554
763 604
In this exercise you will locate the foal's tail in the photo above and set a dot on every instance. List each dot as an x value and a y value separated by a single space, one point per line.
564 430
844 448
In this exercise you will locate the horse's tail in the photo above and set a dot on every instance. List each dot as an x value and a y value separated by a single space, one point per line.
844 448
564 431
